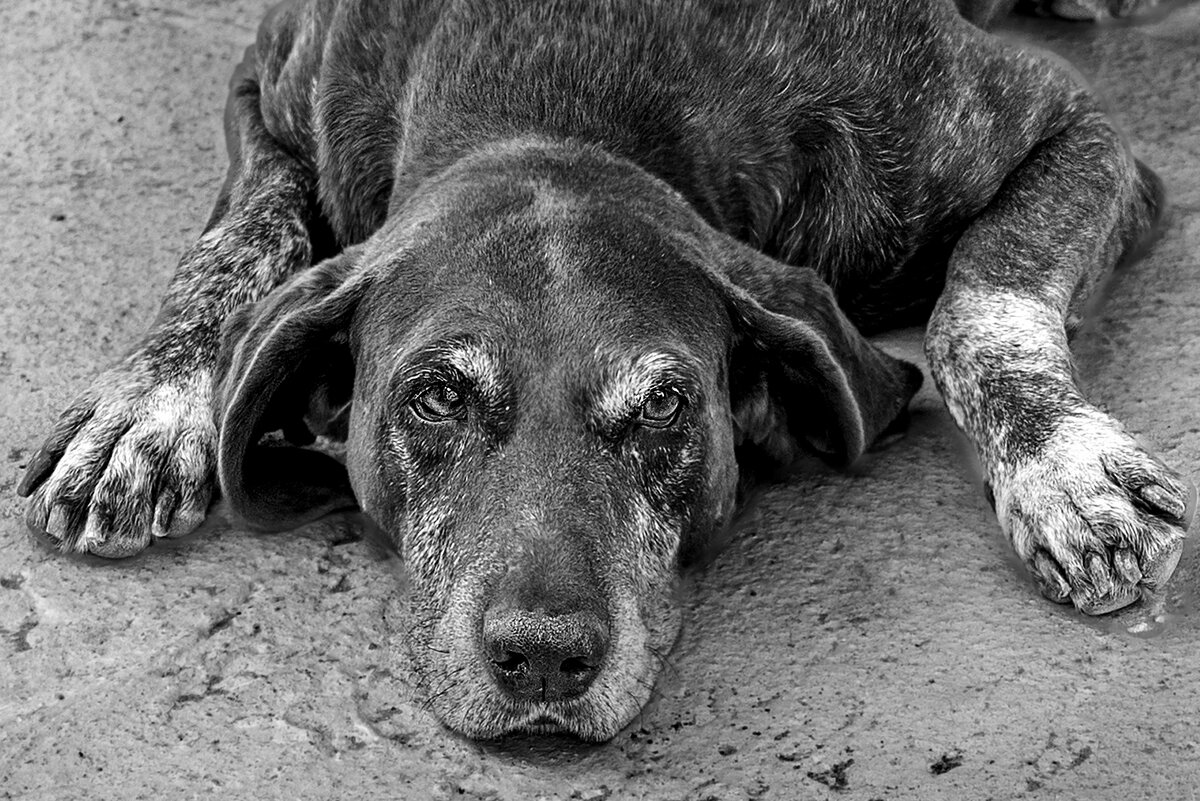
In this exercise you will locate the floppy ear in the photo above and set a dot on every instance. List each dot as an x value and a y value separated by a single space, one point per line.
286 366
801 374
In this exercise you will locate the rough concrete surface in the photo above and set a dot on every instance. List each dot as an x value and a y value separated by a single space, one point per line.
865 636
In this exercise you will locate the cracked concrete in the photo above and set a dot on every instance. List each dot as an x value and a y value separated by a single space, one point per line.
865 636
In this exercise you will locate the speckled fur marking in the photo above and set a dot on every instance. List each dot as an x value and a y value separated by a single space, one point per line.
134 457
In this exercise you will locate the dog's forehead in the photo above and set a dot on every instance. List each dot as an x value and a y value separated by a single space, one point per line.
572 260
499 352
550 275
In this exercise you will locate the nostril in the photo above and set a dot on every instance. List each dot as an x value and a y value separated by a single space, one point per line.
512 662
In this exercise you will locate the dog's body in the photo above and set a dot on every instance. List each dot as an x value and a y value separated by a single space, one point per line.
584 255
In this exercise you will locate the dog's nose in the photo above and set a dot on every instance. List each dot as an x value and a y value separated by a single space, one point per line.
536 656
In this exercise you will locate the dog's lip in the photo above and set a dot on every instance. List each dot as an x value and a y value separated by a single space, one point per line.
542 724
542 720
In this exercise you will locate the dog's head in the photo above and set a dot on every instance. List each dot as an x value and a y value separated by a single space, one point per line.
542 366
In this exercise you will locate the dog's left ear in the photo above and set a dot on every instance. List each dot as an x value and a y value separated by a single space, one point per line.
800 372
286 366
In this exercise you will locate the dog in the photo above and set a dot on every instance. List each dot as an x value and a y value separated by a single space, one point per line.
556 275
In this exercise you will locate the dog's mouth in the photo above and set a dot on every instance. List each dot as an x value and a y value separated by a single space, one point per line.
542 723
483 711
577 718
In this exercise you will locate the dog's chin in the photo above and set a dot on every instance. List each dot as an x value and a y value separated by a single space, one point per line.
593 717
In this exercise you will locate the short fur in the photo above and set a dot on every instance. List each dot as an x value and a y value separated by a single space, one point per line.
553 271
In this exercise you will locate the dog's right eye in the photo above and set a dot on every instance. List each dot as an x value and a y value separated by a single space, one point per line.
439 403
661 408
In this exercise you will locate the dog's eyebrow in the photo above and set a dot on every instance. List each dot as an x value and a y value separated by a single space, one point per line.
461 354
626 383
476 364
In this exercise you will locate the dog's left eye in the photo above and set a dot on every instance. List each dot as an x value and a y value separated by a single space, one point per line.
439 403
661 408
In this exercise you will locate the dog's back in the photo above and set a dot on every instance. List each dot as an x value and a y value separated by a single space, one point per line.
818 132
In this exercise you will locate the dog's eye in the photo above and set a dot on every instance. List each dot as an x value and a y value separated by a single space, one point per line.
440 402
660 408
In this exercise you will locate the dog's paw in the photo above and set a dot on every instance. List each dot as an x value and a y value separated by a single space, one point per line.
133 458
1095 518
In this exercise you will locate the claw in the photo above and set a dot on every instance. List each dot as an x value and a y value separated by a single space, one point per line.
1098 573
56 523
94 531
1050 579
1189 511
1158 569
36 514
1163 500
1126 564
38 471
164 512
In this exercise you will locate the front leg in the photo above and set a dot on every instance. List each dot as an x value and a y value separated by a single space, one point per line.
1092 514
133 458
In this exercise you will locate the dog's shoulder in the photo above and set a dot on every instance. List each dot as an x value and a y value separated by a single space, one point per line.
842 134
330 75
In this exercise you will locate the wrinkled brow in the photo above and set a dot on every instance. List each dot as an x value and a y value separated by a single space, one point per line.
623 385
476 364
449 358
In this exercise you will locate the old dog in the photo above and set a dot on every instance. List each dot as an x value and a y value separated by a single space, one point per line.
556 274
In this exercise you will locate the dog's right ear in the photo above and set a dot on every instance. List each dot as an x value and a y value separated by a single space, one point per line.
286 366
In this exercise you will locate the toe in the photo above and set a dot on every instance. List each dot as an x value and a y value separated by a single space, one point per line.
195 479
1153 486
1118 597
123 502
1050 578
191 513
1104 589
37 513
1158 567
1100 576
1175 504
69 424
38 470
1126 564
66 523
57 525
164 511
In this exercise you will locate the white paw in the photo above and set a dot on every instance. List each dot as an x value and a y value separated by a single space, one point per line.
131 459
1095 518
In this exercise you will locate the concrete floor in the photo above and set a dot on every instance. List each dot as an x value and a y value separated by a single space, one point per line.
866 636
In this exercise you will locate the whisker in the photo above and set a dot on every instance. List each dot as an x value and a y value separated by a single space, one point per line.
664 660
